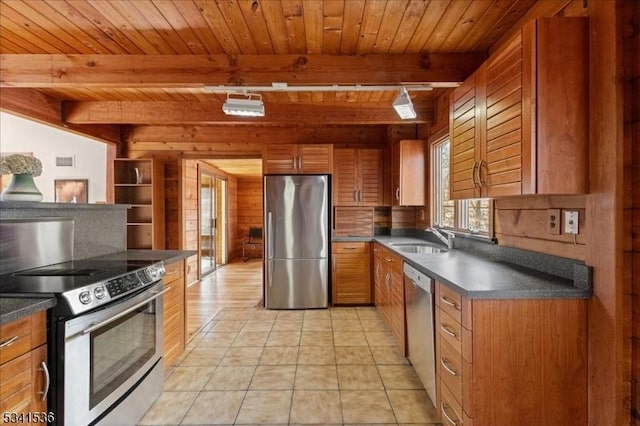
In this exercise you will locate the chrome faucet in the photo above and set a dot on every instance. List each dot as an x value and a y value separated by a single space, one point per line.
448 240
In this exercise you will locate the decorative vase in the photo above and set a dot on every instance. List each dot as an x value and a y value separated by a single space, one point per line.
21 188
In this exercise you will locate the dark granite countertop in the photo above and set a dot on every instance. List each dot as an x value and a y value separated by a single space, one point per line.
14 308
48 205
478 277
167 256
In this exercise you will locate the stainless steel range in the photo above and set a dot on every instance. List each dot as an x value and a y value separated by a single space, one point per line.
105 334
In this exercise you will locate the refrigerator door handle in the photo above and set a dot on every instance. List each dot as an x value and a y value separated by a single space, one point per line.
269 249
269 236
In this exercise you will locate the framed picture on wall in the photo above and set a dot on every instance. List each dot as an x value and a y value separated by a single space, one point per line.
71 190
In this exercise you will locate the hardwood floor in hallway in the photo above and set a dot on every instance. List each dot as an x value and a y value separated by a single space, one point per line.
236 285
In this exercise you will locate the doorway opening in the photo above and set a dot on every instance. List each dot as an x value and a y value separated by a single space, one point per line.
213 222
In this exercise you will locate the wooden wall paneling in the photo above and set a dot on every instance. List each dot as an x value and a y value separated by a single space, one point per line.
631 61
111 156
607 391
232 217
522 222
250 213
173 201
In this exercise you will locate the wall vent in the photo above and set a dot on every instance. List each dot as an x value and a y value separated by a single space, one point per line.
65 161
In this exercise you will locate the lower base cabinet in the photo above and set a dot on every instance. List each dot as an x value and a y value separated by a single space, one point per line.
174 313
23 368
508 362
351 274
389 292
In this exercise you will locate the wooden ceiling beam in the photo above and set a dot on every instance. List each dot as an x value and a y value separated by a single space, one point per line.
73 70
33 105
240 141
243 134
210 112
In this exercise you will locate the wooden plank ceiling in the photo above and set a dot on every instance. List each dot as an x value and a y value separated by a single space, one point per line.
143 62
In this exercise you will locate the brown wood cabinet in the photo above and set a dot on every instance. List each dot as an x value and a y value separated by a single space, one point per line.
351 273
23 361
174 312
140 183
520 121
297 159
389 292
353 221
408 171
358 178
506 362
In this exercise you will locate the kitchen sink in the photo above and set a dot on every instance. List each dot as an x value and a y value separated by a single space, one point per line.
418 248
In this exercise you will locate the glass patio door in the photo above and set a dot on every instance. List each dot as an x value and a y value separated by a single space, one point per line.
207 224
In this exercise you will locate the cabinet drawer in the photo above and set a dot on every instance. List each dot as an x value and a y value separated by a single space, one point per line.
349 248
20 336
449 301
449 409
450 371
449 330
16 375
174 271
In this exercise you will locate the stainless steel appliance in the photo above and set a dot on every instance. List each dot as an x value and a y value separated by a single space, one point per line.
296 218
419 300
104 335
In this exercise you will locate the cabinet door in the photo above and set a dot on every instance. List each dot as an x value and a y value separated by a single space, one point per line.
350 274
279 159
39 379
371 177
174 314
345 177
501 170
409 173
316 158
465 140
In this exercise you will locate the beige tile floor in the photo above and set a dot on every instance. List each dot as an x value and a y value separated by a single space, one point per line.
255 366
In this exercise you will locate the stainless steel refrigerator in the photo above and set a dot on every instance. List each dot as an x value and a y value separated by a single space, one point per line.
296 221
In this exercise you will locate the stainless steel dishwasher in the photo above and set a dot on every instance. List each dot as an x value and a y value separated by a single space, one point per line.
419 301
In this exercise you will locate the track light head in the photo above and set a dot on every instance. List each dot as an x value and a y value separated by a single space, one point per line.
403 105
245 105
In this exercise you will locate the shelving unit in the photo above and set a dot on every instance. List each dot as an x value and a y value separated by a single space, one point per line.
140 183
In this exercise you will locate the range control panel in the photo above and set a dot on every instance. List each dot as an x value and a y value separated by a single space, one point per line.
94 295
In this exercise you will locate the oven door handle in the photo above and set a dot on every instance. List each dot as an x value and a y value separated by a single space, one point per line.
96 326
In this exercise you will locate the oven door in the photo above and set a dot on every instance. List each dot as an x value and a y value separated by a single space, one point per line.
106 353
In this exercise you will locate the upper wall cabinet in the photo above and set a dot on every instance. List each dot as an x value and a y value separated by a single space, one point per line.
358 177
519 123
297 159
408 173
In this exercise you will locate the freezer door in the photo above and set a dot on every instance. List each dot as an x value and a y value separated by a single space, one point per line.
297 217
296 284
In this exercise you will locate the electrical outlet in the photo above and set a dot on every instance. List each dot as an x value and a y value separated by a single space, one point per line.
553 221
571 220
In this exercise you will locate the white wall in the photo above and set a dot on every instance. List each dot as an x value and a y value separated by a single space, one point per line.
46 143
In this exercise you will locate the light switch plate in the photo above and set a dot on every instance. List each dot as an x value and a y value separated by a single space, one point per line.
571 222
